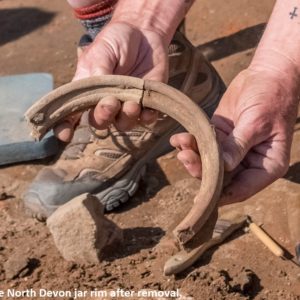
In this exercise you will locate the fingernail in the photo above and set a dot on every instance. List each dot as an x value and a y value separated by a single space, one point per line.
228 160
186 163
109 108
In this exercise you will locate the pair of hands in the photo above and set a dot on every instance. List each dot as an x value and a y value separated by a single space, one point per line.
254 121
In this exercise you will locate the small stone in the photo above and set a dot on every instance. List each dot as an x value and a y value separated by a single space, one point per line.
133 262
152 256
145 274
282 273
103 274
266 292
243 281
18 265
3 196
298 253
106 264
144 254
71 266
81 232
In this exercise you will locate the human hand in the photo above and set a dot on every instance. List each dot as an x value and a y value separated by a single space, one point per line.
124 50
254 124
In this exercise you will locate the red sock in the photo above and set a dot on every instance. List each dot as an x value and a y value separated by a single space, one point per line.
100 9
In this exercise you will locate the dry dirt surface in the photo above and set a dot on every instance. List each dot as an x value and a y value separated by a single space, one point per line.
41 36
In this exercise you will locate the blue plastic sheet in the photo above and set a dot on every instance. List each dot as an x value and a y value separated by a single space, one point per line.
17 94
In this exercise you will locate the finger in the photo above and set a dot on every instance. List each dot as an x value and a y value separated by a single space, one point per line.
97 59
65 130
128 116
148 116
274 158
161 71
191 162
223 127
184 141
237 144
245 184
261 166
105 112
85 69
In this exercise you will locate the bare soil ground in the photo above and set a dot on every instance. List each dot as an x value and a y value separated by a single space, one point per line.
41 36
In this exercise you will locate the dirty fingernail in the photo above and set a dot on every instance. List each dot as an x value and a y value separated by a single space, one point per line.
186 163
109 108
228 160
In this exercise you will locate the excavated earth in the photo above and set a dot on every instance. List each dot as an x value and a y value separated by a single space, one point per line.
41 36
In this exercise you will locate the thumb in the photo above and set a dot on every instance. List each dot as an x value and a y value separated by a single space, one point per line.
236 145
98 59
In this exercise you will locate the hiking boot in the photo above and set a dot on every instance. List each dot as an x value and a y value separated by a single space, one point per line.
109 163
